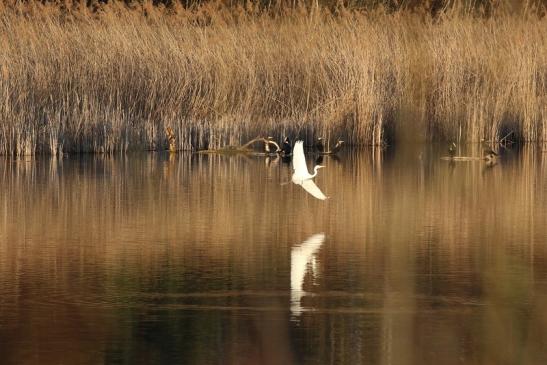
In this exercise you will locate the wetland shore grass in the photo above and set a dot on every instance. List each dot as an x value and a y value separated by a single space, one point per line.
115 79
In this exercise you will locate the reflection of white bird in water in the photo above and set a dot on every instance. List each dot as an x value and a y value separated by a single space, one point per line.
301 176
301 256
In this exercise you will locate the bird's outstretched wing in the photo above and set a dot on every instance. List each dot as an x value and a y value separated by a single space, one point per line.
299 160
300 256
311 188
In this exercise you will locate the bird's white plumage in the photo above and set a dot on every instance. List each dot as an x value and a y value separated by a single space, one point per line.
299 161
301 256
311 188
301 175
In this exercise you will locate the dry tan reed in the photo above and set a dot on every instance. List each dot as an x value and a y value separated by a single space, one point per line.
115 79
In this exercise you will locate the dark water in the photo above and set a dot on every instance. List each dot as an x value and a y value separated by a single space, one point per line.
197 259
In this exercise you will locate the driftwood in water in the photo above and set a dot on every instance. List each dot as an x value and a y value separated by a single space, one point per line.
505 140
228 149
488 158
334 150
245 148
462 158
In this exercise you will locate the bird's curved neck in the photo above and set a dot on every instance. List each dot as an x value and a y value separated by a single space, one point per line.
315 171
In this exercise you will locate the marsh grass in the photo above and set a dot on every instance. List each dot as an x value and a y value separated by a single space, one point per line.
115 78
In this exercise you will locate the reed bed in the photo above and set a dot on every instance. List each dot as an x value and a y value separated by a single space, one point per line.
113 78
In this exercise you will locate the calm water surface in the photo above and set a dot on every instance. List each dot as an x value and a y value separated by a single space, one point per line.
198 259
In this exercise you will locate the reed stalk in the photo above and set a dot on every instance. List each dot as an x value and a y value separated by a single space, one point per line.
115 78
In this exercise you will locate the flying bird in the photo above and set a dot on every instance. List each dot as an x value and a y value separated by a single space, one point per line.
301 175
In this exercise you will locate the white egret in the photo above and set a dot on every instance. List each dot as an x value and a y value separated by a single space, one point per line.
301 256
301 176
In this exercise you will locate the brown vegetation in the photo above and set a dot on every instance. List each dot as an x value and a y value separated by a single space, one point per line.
114 77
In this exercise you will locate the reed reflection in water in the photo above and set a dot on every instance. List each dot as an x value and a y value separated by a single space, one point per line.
157 259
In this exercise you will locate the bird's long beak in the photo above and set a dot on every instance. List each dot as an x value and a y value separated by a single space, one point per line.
319 166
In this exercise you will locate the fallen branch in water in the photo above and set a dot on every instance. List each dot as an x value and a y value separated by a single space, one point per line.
505 141
462 158
334 150
240 149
